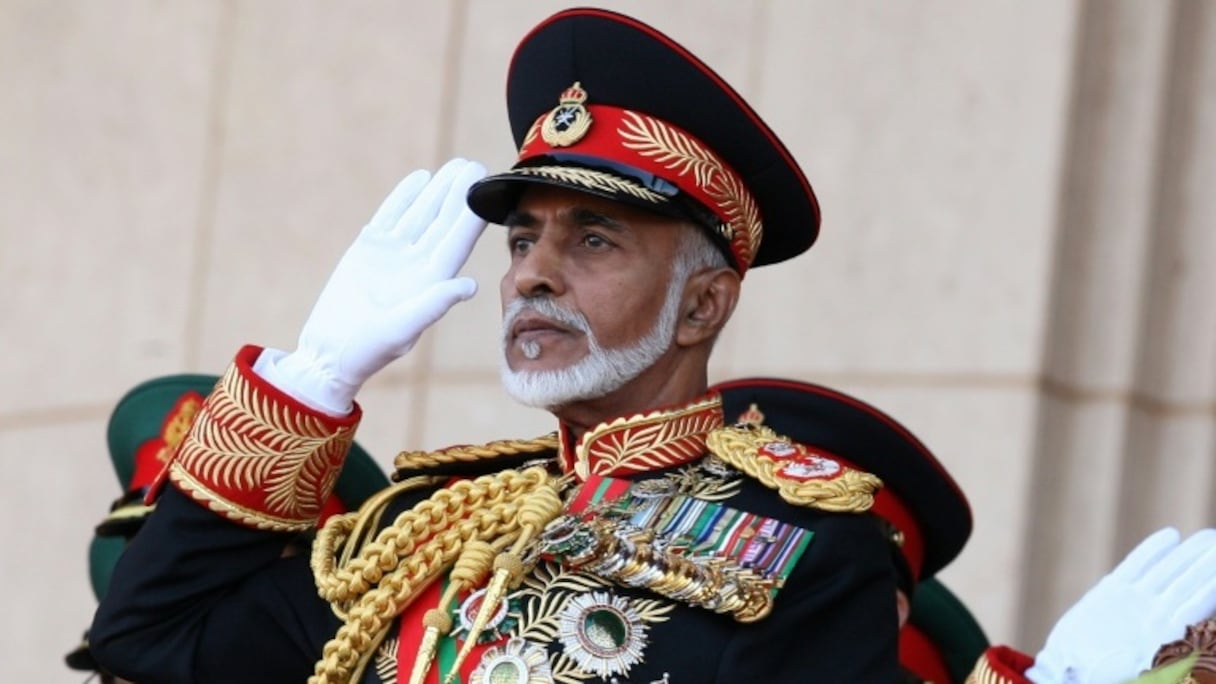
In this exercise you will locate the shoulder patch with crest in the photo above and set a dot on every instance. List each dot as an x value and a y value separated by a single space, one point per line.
800 475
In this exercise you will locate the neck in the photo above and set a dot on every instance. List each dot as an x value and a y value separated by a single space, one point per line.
675 379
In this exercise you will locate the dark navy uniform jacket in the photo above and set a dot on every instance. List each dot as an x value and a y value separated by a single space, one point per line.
197 598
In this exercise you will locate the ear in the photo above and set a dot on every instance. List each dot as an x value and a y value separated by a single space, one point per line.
903 607
709 300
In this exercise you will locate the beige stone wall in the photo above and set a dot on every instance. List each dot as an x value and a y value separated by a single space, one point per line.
1017 260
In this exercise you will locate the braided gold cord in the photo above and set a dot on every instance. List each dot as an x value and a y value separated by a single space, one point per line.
351 530
468 453
374 586
852 491
444 508
543 504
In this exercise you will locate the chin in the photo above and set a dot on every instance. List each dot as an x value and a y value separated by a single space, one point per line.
548 387
548 360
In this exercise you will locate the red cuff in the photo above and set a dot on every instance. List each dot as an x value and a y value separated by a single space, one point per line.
1001 665
259 457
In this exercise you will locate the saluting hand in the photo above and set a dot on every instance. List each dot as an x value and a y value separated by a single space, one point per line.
1112 633
395 280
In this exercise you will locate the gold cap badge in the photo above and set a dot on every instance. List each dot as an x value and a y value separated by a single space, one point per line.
569 121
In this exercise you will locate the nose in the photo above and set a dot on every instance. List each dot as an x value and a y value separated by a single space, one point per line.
538 271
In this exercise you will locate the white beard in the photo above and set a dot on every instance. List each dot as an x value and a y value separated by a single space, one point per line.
599 373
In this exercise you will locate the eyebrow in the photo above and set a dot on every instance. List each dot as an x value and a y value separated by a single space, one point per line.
579 215
520 219
583 216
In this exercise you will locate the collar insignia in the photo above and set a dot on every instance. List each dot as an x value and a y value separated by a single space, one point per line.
650 441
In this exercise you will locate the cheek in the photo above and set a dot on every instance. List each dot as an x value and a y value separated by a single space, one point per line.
506 292
624 311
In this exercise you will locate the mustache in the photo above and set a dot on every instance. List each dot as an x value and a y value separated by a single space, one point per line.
544 306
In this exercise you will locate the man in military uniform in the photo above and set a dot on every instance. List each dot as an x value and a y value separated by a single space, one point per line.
615 550
647 540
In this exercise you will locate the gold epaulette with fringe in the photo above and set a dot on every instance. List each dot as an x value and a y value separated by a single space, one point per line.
799 474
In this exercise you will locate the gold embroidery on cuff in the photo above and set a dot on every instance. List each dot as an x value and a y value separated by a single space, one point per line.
257 461
591 179
985 674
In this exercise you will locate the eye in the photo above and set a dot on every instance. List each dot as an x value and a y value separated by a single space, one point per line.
595 241
519 245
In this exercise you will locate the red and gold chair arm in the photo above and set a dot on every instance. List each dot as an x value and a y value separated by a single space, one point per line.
1001 665
257 456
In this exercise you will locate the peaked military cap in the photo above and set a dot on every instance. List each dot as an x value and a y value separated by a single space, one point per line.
930 516
602 103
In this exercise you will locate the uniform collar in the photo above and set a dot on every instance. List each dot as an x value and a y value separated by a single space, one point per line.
663 438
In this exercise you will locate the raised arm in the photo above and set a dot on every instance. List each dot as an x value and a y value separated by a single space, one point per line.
204 593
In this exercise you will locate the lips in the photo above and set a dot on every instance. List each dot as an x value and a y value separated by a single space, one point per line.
535 325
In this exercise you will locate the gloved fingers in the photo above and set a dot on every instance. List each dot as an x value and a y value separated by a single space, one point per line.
422 311
1146 555
418 216
1201 605
1194 590
398 201
1158 578
449 256
455 202
454 212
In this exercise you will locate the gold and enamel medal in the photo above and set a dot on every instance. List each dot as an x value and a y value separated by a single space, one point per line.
515 662
603 633
499 626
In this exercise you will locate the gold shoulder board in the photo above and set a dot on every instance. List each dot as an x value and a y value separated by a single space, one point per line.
409 461
801 476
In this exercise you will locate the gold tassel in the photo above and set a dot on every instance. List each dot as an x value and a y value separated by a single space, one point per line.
470 570
542 506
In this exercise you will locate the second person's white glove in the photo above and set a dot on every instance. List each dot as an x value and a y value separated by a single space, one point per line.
395 280
1112 633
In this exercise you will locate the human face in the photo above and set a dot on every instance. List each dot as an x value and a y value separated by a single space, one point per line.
596 274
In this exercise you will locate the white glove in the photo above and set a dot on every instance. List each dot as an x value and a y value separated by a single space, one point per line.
395 280
1112 633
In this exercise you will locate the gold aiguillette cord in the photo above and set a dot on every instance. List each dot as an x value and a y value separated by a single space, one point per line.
542 506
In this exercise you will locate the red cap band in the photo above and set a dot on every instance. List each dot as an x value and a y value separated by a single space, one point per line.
655 147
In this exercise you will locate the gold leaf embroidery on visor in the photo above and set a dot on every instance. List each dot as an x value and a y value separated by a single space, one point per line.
592 180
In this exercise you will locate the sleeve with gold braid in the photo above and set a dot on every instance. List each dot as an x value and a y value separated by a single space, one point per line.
1001 665
258 457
